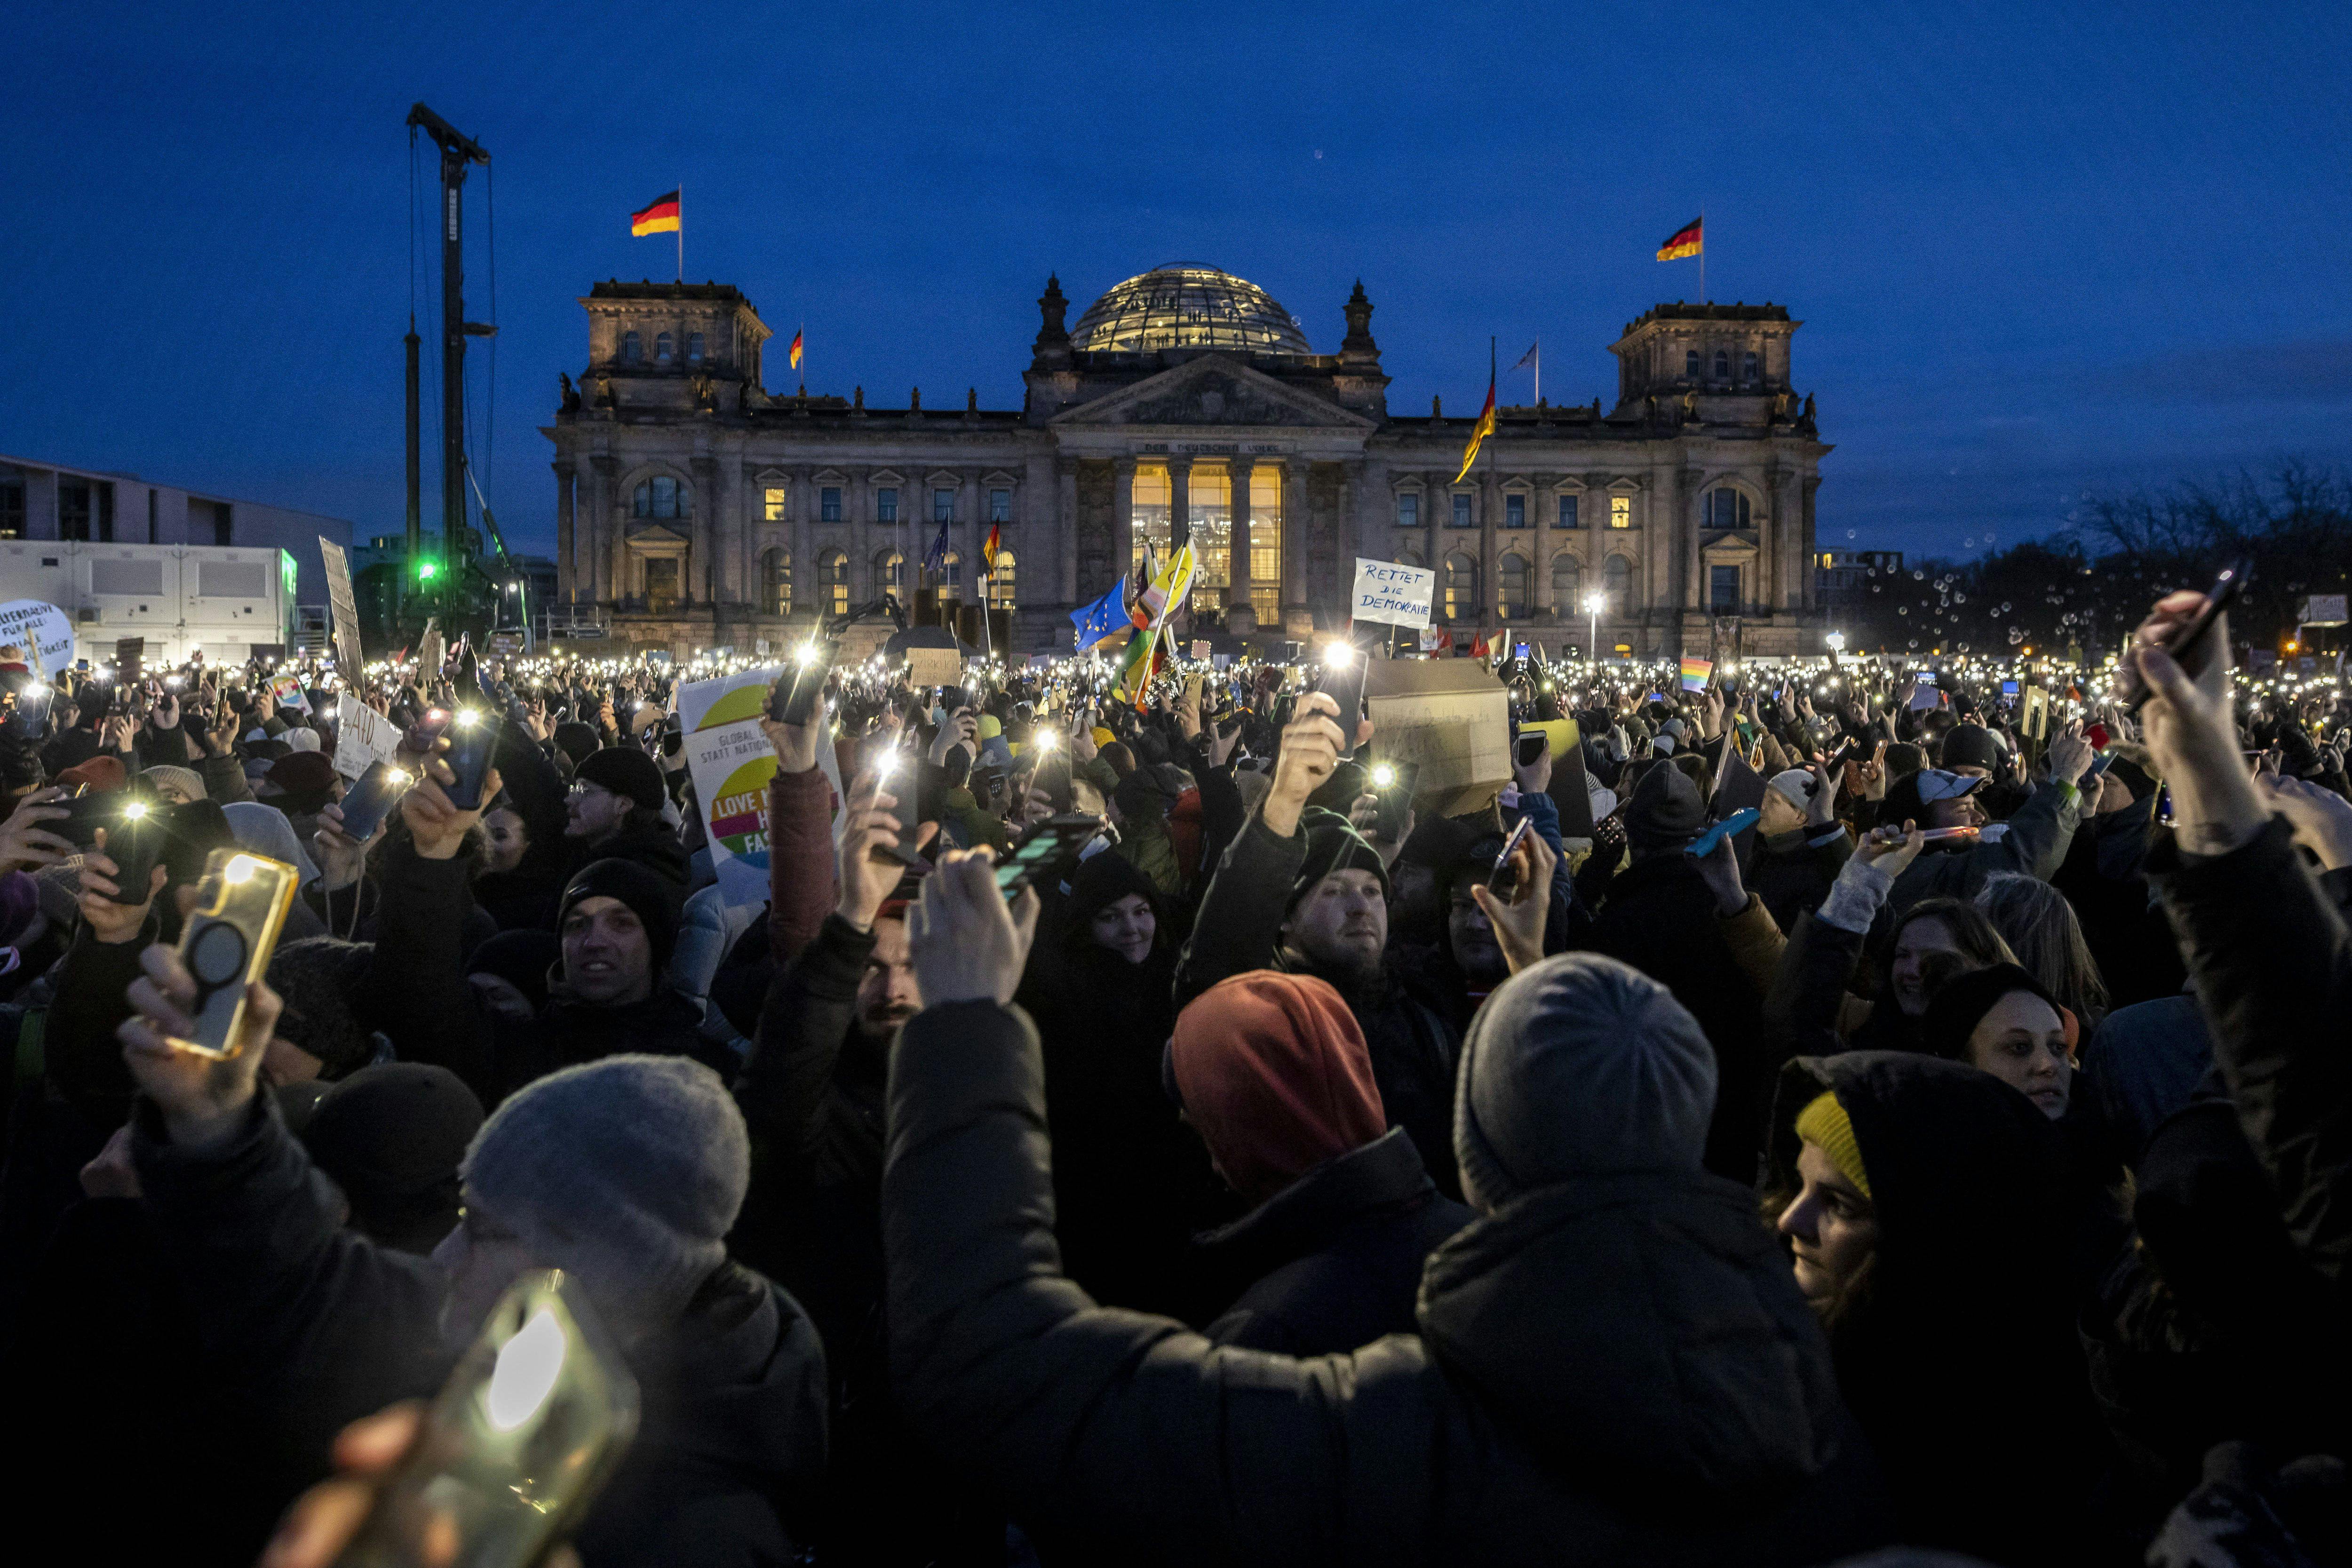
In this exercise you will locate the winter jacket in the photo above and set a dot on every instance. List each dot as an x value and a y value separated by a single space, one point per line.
324 1327
1791 872
2034 842
1410 1026
1335 1257
1524 1425
652 845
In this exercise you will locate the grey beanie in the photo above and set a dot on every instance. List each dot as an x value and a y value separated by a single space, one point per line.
1579 1066
628 1171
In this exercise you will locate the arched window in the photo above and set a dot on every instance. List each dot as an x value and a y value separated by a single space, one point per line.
1460 588
950 583
662 497
1568 584
694 347
1511 587
662 351
1749 370
1690 364
776 583
1727 508
1722 365
890 574
1000 582
1617 583
633 348
833 571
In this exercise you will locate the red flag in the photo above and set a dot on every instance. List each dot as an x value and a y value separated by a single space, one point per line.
1478 647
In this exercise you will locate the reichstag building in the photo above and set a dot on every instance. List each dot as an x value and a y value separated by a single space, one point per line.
694 508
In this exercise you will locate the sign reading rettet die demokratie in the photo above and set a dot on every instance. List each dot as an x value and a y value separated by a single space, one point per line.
1398 595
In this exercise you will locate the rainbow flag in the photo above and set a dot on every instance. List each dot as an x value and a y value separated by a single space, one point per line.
1694 673
1135 667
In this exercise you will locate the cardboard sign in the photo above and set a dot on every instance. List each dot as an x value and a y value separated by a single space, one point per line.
363 737
286 691
1200 647
345 610
1400 596
44 632
1453 719
729 760
934 666
1567 789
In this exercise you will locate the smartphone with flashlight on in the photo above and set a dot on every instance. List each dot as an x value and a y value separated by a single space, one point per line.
517 1445
1938 835
371 799
1342 681
799 689
1503 881
1392 783
240 908
473 736
901 781
2132 691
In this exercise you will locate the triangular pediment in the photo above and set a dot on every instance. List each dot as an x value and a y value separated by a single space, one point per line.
1213 391
655 533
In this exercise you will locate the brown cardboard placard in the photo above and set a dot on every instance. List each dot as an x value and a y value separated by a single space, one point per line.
1453 719
933 667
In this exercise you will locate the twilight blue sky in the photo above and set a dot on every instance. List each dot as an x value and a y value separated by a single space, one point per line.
2038 249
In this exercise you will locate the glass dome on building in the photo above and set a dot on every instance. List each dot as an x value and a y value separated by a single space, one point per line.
1185 306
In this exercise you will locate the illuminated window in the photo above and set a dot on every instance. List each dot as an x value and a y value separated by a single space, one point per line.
633 348
889 573
951 583
1616 583
943 506
834 569
1620 512
1000 582
1460 588
694 347
1209 502
662 353
776 581
1149 535
886 504
1727 508
1000 506
1568 511
1462 512
1408 511
1566 583
1266 544
1511 587
828 504
772 505
1515 511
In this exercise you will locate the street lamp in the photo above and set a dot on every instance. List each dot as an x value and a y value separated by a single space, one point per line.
1592 608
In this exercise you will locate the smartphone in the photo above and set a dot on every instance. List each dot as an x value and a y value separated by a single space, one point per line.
519 1442
1528 749
1739 821
25 712
427 730
474 737
1503 881
1343 681
2105 759
1937 834
1052 772
1047 852
902 779
2132 691
799 689
371 799
226 944
1394 782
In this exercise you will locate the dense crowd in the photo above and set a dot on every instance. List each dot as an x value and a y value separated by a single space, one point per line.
1957 1156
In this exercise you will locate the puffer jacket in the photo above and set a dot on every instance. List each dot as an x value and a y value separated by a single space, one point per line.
1525 1424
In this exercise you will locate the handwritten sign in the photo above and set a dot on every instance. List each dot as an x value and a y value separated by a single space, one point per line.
1386 591
44 631
363 736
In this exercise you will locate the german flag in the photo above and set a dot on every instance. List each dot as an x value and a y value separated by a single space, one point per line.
660 216
1480 431
1683 241
795 354
988 550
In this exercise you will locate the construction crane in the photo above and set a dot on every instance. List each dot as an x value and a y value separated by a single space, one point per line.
446 578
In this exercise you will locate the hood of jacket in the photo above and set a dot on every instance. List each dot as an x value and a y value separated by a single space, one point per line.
1643 1333
654 846
1372 1180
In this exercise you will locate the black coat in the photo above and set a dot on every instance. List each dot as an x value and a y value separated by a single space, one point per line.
1525 1424
1792 873
1963 1341
322 1327
1335 1257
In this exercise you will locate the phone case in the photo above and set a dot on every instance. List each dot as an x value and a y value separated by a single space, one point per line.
226 944
468 757
372 800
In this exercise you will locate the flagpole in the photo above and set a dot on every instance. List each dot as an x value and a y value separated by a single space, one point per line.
1702 256
681 231
1538 373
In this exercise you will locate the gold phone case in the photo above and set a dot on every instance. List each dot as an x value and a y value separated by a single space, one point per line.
227 942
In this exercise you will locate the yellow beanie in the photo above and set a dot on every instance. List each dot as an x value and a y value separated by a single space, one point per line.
1103 737
991 726
1825 1124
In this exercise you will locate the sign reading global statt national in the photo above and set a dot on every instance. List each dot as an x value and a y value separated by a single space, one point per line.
1388 591
731 764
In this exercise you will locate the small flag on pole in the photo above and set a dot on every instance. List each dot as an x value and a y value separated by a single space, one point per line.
936 556
1685 241
1527 360
989 548
1694 673
660 216
1101 618
795 353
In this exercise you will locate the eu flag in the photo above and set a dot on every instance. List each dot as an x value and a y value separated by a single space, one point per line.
1103 616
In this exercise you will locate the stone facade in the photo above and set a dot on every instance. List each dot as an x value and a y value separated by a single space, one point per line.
694 509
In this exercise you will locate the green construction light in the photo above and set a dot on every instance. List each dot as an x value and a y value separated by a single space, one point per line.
424 571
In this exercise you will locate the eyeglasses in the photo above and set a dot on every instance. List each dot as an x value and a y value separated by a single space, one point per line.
580 789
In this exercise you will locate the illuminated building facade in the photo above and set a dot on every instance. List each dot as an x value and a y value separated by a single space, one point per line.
695 509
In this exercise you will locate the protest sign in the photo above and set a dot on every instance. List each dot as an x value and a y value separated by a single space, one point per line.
1452 718
1399 594
363 736
1695 672
286 691
731 761
45 632
933 667
345 608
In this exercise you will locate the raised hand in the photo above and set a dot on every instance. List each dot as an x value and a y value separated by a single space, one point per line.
1892 850
1310 753
199 1097
869 824
110 923
436 825
969 945
1518 923
25 844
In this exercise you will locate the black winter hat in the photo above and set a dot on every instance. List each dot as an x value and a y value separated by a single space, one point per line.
317 977
1954 1012
576 741
1665 811
392 1136
627 773
521 958
1971 746
1332 845
1102 879
652 899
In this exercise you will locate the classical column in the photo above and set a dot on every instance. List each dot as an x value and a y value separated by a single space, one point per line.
1539 595
799 512
1122 518
1179 503
1686 537
1490 547
702 540
604 529
1294 544
1239 616
1066 521
566 541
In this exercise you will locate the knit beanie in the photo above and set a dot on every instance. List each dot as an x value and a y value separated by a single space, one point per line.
1274 1072
1796 785
302 774
1962 1002
1100 881
627 1171
302 738
627 773
1826 1125
1332 845
1578 1066
316 978
1970 746
652 898
521 958
392 1136
186 780
576 741
101 773
1665 811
